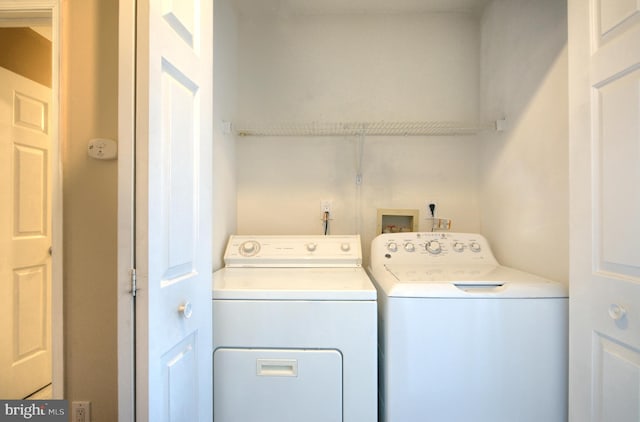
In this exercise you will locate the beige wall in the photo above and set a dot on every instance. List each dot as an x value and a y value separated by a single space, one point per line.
356 68
510 186
524 189
225 70
26 53
89 110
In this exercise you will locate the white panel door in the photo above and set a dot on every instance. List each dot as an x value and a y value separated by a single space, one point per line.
25 236
173 210
604 46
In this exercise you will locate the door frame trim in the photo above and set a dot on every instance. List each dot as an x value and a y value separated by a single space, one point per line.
126 207
21 13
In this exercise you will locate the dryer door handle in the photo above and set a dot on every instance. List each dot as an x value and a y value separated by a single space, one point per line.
277 367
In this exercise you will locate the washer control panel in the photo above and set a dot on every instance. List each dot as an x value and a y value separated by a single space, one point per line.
430 247
293 251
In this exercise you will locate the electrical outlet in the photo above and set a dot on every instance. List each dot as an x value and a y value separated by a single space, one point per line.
439 224
325 205
444 224
80 411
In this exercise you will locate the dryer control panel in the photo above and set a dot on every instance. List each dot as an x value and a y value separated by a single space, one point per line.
293 251
430 248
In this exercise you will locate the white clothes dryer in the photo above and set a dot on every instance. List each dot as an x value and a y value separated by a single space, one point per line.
294 331
464 339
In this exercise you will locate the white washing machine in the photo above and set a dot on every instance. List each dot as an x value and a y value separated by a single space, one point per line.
294 331
464 339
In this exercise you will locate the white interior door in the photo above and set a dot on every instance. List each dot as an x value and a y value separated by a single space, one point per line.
173 210
604 46
25 236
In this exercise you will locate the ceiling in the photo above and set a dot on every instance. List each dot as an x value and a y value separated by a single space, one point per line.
38 20
357 6
44 30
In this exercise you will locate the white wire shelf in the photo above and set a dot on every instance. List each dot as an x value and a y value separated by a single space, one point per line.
432 128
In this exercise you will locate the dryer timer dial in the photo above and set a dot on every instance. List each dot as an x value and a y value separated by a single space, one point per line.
249 248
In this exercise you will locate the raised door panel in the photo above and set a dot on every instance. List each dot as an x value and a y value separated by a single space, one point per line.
616 373
616 173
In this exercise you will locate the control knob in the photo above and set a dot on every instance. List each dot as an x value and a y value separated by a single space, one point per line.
346 247
392 246
433 246
475 246
458 246
409 247
249 248
311 246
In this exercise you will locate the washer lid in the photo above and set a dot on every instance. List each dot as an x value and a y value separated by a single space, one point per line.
292 284
465 281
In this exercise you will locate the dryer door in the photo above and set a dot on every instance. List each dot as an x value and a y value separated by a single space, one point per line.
266 385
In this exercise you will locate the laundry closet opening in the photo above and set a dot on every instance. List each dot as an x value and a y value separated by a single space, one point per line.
322 101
